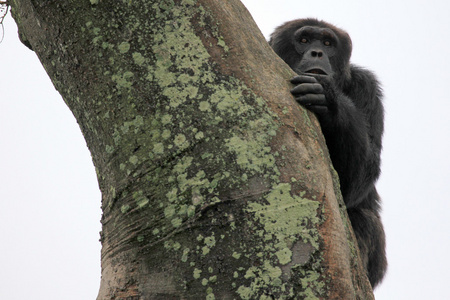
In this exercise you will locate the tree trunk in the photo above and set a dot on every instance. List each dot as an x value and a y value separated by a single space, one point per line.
215 183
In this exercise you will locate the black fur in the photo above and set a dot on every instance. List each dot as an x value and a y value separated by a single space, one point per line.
347 101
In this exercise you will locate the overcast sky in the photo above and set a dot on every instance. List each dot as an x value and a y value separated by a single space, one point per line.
49 197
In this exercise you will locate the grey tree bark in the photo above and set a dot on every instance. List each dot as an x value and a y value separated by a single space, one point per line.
215 183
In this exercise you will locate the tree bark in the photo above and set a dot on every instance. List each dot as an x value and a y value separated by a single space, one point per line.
215 183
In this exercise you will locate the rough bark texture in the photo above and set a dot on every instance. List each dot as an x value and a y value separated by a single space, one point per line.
215 183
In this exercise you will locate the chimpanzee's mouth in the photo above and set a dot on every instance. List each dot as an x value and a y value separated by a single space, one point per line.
317 71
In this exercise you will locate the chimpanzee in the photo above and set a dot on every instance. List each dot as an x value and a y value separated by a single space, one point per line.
347 101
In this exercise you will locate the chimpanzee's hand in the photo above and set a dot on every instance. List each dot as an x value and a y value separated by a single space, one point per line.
314 93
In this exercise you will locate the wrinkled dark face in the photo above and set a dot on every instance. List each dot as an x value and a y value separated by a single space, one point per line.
316 46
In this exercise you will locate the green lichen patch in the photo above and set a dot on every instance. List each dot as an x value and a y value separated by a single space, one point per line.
284 256
185 256
250 155
266 276
285 215
124 47
138 58
286 219
312 283
125 208
158 148
123 80
140 199
210 242
197 273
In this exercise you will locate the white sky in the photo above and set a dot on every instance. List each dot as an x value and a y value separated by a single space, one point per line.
49 199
